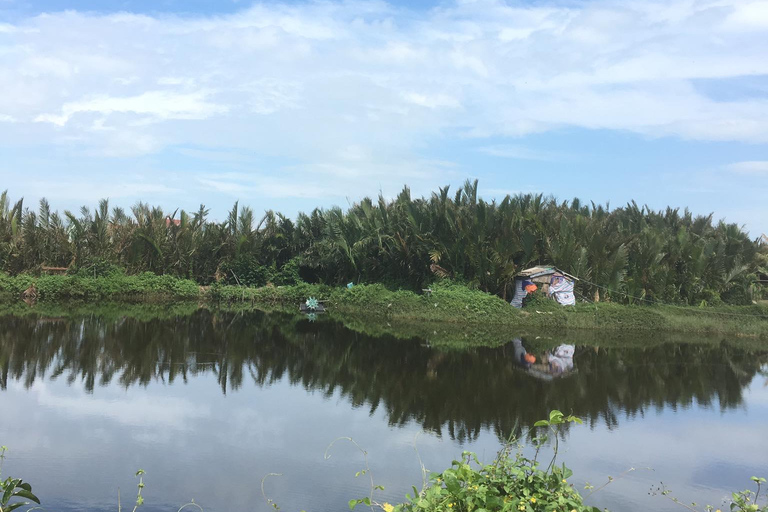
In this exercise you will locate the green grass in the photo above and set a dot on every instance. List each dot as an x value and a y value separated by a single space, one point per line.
456 304
449 305
116 285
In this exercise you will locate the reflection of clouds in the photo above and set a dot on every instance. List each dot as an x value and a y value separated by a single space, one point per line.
757 393
254 426
140 411
217 452
701 455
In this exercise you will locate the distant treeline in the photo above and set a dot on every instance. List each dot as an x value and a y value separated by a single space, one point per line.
626 254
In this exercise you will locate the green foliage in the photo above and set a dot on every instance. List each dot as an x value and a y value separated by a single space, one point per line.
98 267
14 489
511 483
630 254
245 270
13 286
140 487
113 285
747 501
446 302
289 274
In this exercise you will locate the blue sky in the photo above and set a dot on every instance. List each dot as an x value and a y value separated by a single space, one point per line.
292 105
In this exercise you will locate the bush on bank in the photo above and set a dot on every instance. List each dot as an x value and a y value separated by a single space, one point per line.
116 284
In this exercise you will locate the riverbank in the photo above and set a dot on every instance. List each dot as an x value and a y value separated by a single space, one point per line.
448 304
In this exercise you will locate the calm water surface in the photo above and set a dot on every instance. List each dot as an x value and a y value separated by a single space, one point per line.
209 404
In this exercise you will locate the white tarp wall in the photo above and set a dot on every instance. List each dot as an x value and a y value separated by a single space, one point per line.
561 289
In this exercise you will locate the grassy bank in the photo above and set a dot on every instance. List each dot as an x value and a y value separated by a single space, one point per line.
437 334
448 304
452 305
114 286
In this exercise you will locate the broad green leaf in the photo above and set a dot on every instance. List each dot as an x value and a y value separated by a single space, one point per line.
10 486
26 494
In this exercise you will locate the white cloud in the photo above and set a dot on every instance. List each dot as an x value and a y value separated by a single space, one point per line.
431 100
518 152
751 15
357 90
214 155
144 411
91 189
755 167
337 177
240 185
601 65
160 105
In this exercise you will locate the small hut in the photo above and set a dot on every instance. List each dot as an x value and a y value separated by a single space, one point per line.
554 283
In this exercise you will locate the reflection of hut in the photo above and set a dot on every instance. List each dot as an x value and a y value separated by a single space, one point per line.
550 365
554 283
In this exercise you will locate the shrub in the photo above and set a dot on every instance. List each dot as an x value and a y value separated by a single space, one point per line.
288 274
245 270
97 267
512 482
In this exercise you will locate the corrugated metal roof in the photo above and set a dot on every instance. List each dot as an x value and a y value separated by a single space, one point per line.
542 270
537 271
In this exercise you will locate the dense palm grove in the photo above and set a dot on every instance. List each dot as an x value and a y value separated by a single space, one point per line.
630 253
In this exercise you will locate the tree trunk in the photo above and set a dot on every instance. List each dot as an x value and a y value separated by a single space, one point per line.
597 295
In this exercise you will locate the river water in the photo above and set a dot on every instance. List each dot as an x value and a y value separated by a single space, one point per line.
208 404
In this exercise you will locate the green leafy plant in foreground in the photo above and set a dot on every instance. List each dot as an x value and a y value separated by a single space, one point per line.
512 482
12 489
746 501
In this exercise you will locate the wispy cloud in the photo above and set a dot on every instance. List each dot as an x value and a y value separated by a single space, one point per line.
153 105
144 411
333 178
517 152
338 74
341 99
91 189
754 167
239 185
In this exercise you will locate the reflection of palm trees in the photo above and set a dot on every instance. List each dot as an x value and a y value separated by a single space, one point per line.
458 392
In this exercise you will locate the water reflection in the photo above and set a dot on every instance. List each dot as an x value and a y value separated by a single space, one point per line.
554 363
458 393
